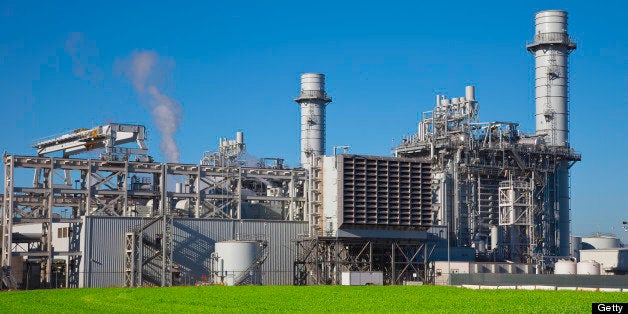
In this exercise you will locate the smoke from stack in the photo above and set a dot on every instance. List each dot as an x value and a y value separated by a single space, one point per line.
84 53
147 71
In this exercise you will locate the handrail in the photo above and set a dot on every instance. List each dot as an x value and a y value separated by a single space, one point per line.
551 38
259 260
314 94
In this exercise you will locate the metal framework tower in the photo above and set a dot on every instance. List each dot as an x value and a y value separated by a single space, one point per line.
321 260
473 162
551 47
313 101
148 253
516 217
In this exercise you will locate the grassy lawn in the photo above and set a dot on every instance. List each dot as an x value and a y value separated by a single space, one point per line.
302 299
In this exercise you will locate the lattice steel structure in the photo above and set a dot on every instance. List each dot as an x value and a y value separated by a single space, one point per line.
84 187
148 255
469 161
321 260
516 218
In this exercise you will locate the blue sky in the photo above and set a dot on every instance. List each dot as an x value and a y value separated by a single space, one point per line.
235 66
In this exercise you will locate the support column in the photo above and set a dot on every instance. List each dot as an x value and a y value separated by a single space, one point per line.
7 225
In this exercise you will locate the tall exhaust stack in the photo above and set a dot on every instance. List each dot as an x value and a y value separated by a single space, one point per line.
551 47
313 100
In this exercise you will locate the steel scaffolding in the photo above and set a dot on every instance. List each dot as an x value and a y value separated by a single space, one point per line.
131 189
470 159
321 260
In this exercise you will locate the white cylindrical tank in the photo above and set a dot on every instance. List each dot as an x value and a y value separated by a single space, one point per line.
494 237
239 137
600 242
313 101
481 246
469 92
232 258
564 267
576 246
182 205
179 187
588 268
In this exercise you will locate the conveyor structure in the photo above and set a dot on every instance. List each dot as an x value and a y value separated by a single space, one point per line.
107 137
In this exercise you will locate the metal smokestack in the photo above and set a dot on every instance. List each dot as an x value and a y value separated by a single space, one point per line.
313 100
551 47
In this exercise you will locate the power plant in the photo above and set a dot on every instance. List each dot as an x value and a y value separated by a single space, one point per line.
459 198
494 182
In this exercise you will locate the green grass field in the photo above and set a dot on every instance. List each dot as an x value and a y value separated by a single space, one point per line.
303 299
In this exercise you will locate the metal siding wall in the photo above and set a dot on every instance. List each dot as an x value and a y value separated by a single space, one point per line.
194 241
277 269
104 250
152 269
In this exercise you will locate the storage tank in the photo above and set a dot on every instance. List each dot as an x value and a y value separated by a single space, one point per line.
231 260
494 238
182 205
600 242
588 268
482 246
576 246
564 267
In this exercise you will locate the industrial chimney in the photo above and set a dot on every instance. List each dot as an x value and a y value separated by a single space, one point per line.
313 100
551 47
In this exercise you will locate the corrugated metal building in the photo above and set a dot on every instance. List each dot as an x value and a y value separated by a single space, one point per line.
103 246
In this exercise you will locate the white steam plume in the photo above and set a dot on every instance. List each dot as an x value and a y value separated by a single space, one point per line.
84 54
147 71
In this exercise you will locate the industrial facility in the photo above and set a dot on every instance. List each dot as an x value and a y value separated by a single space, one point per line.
461 196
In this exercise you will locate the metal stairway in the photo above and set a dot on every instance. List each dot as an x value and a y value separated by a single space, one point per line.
8 282
245 277
148 258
